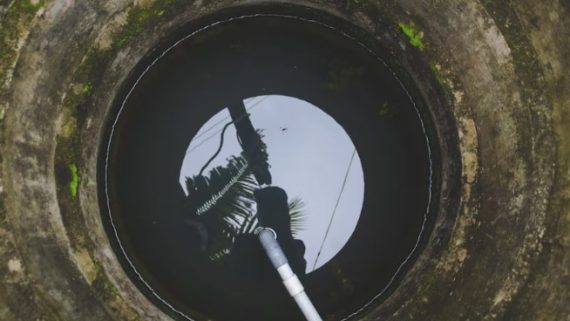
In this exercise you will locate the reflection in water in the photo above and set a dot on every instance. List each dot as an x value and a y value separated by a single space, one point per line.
180 206
310 156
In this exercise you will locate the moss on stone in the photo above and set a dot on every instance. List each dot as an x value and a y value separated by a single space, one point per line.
69 127
526 64
427 285
14 23
74 182
30 6
109 289
414 34
86 88
87 79
436 71
110 294
138 18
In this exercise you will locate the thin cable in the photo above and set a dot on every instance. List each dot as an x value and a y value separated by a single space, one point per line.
221 142
222 120
216 133
335 207
219 149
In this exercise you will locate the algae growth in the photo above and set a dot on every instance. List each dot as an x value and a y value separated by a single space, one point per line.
414 34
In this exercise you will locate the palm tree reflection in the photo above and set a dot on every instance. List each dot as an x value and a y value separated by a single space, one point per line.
221 208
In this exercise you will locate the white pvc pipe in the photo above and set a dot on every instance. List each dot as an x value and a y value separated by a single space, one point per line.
268 239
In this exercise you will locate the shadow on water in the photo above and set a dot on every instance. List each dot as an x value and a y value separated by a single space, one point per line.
204 261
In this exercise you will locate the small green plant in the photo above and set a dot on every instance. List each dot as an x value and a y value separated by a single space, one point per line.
414 34
74 182
86 88
15 18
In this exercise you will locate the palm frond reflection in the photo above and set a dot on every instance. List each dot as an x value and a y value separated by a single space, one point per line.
221 207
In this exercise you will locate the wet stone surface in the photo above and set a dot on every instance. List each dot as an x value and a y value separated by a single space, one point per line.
492 76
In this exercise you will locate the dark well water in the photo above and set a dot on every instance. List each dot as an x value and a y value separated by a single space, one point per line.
328 123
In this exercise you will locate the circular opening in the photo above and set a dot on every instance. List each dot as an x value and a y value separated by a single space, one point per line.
297 109
310 156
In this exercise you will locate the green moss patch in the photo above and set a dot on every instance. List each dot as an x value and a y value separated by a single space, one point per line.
74 181
437 73
29 6
138 18
414 34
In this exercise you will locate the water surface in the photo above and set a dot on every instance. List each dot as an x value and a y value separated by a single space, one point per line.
341 136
